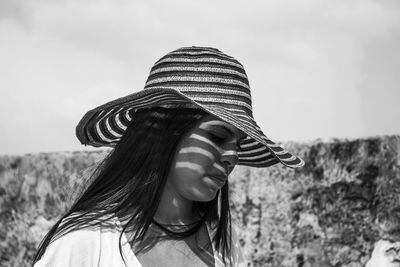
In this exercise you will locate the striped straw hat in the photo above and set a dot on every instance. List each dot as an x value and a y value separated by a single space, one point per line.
202 77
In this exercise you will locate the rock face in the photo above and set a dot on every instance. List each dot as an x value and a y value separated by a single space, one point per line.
329 213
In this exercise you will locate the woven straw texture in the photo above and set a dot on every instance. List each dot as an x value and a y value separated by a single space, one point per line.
207 79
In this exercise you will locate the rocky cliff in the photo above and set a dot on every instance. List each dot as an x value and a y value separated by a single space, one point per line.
329 213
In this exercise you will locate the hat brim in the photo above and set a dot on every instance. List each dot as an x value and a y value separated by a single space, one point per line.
105 124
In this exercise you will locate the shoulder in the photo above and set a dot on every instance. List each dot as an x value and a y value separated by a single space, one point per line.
76 248
236 249
81 247
237 256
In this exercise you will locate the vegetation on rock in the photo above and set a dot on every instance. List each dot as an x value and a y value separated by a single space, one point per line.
328 213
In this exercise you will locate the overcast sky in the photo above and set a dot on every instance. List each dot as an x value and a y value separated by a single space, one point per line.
317 68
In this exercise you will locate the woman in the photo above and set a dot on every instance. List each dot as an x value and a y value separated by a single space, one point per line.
161 196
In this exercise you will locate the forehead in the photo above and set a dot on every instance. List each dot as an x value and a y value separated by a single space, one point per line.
210 121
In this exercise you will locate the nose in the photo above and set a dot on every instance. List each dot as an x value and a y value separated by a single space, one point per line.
229 158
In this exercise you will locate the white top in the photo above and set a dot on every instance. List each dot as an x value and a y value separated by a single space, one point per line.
99 247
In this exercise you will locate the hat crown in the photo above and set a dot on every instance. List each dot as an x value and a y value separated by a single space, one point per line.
204 74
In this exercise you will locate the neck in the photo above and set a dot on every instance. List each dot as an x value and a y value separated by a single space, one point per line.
173 209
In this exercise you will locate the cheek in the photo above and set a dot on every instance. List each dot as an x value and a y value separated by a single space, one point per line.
203 157
193 162
188 173
190 181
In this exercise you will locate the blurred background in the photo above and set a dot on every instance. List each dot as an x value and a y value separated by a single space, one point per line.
325 81
317 68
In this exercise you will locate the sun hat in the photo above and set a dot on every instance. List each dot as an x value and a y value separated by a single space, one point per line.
203 77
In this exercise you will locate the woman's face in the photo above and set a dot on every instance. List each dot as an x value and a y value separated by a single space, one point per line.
204 159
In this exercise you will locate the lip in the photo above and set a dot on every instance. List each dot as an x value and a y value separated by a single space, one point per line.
220 179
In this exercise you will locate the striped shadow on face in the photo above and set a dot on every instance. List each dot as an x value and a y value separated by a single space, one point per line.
210 147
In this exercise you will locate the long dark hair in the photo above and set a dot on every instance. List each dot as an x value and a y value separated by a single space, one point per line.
129 182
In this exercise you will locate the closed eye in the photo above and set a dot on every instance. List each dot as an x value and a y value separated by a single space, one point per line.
217 138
